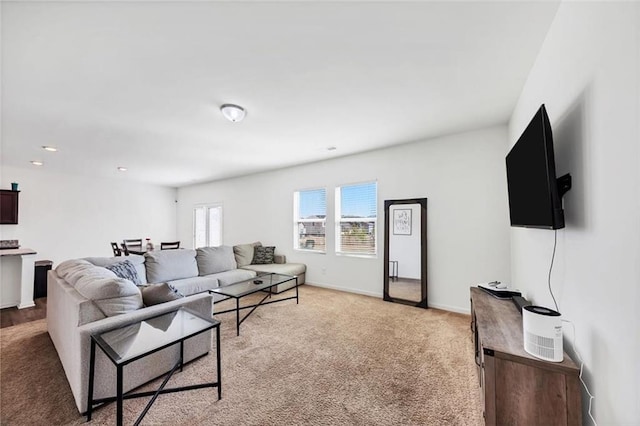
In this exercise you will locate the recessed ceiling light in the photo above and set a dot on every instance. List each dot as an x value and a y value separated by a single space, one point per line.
331 148
37 163
122 169
233 112
50 148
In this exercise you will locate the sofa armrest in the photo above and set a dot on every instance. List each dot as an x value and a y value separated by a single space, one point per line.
279 258
200 303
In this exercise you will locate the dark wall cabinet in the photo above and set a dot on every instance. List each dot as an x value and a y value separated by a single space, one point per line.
8 207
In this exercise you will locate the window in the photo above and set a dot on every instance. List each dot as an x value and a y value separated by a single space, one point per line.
207 226
309 219
356 217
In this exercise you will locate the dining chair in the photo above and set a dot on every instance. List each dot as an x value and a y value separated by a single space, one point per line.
136 242
125 250
169 245
117 251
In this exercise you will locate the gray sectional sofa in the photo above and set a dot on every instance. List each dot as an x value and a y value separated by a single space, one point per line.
85 296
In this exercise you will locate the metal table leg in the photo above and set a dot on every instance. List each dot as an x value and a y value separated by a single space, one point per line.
92 367
119 395
218 361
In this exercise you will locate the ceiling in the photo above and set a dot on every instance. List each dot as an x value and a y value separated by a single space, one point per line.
139 84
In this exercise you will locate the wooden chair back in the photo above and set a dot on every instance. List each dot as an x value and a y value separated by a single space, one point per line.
170 245
117 251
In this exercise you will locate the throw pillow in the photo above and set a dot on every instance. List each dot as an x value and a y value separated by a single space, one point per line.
263 255
125 270
154 294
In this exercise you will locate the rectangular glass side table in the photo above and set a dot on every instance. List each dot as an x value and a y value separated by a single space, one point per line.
134 341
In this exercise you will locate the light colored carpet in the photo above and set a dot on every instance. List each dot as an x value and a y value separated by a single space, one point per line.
334 359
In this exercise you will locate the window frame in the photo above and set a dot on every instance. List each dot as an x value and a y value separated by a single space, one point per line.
339 220
207 207
297 220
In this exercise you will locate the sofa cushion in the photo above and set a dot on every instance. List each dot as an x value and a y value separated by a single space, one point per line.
212 260
154 294
136 259
244 253
72 270
111 294
276 268
126 270
233 276
169 265
263 255
193 285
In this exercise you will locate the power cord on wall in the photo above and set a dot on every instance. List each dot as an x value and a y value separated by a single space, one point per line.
575 349
555 242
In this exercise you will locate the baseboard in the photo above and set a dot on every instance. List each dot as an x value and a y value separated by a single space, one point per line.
455 309
346 289
450 308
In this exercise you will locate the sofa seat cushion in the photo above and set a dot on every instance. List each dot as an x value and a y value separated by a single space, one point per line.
277 268
170 265
233 276
212 260
193 285
111 294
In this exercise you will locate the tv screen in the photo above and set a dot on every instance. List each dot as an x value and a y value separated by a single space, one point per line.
534 198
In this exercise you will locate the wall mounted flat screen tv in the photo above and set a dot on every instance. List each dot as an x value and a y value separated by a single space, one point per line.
535 194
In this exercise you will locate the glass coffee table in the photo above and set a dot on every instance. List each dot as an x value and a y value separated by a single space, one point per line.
137 340
264 283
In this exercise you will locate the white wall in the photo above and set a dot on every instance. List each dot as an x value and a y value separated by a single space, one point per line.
405 249
587 75
463 176
69 216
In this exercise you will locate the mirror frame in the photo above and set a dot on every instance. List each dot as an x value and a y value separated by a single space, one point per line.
423 252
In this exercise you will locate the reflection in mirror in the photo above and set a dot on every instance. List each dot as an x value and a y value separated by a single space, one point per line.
405 251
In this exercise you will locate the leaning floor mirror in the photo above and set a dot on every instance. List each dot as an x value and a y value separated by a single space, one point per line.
405 251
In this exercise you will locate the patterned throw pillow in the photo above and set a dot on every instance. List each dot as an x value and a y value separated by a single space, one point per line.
125 270
263 255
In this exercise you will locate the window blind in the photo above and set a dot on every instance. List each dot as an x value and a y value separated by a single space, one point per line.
356 208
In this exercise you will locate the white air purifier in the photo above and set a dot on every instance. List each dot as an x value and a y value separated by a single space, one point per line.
542 330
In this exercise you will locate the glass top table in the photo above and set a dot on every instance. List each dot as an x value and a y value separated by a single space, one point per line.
264 283
136 340
126 344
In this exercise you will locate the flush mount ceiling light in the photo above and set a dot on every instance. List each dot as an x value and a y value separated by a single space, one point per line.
122 169
50 148
233 112
37 163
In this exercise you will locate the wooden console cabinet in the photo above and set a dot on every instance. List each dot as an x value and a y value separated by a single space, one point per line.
517 388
